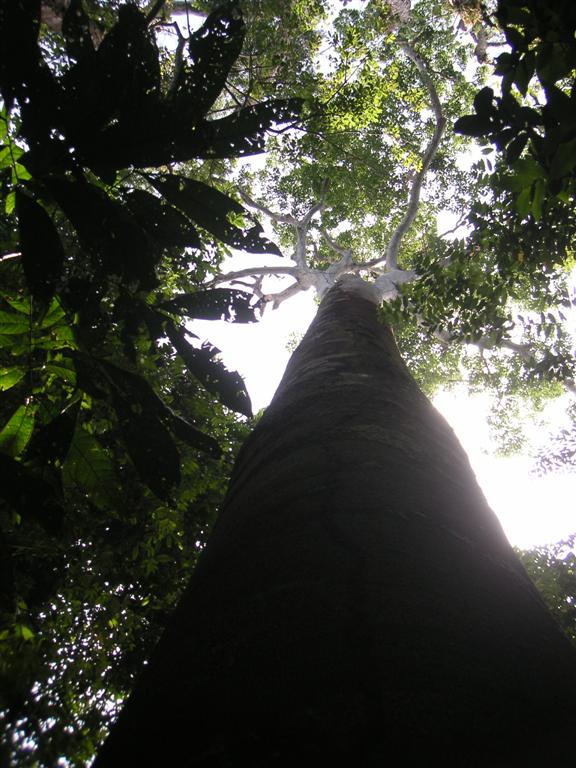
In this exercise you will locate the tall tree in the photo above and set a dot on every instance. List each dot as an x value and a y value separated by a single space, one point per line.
357 599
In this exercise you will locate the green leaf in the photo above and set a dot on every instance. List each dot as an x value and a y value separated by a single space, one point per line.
11 323
88 468
42 251
18 430
9 377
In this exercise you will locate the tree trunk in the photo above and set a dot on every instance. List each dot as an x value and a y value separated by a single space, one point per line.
358 602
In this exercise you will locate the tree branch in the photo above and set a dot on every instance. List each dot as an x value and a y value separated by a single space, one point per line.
251 272
391 256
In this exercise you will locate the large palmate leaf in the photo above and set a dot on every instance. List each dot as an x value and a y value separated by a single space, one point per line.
42 251
216 304
227 385
210 209
131 391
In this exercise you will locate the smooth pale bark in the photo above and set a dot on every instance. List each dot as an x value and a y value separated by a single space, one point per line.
358 603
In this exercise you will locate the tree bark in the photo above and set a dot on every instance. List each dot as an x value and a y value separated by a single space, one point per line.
358 603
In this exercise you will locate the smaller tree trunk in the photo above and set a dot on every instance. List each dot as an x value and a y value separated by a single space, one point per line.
358 603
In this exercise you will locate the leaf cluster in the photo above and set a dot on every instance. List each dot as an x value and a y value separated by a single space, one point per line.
532 122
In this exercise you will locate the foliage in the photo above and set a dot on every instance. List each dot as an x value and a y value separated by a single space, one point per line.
553 569
531 122
113 459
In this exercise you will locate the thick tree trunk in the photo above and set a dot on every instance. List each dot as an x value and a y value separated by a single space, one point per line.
358 603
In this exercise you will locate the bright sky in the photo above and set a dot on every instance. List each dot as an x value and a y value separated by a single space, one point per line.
532 510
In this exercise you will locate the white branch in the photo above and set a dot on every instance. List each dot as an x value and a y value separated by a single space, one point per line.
391 256
251 272
279 218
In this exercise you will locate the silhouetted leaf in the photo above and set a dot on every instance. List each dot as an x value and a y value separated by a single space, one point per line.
194 437
119 80
42 251
151 448
19 26
228 385
216 304
213 50
51 442
31 496
473 125
241 133
210 209
484 101
76 31
107 230
163 223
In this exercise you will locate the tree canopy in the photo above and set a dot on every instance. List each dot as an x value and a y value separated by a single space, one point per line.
125 183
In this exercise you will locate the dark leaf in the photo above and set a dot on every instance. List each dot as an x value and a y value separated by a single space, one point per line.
151 448
120 80
188 434
228 385
242 133
163 223
484 102
42 251
210 209
76 31
19 61
107 230
515 148
215 304
473 125
29 495
213 50
51 442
